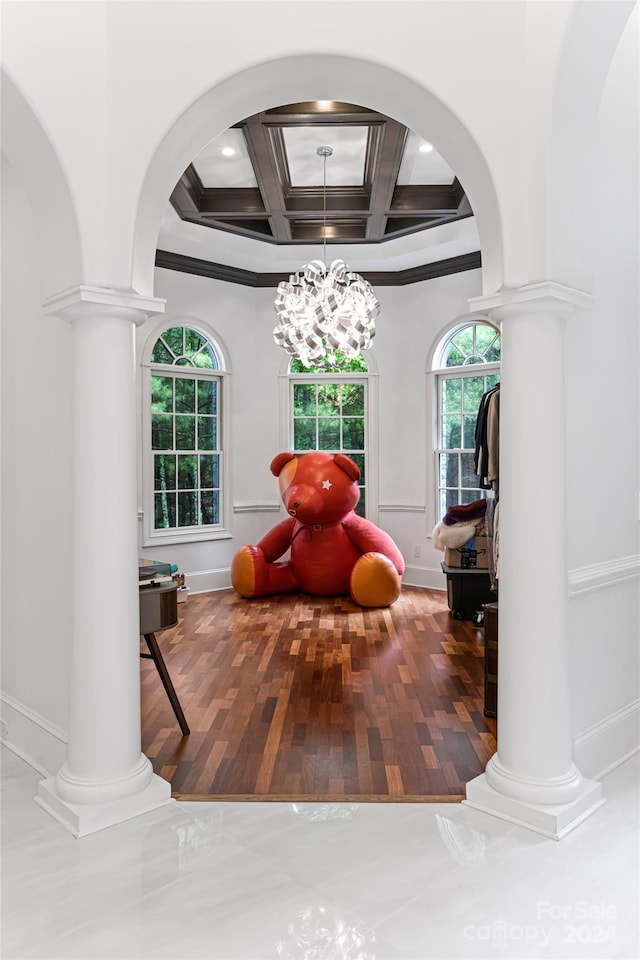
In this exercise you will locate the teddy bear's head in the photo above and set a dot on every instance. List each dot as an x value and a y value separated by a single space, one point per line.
317 487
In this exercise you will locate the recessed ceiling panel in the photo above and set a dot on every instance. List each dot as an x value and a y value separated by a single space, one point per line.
345 168
422 168
225 169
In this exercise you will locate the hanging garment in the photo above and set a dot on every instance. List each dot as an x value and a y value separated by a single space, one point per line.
487 440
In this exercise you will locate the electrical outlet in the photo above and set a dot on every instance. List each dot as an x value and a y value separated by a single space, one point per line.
417 552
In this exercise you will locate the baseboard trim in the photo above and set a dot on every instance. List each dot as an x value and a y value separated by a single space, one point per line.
32 737
597 576
428 577
208 581
609 743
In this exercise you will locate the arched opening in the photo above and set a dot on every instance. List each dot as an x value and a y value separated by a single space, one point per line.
292 80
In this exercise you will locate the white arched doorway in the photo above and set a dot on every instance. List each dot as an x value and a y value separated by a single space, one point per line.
257 88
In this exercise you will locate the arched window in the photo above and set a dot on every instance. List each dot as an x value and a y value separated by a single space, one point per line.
182 433
466 364
329 411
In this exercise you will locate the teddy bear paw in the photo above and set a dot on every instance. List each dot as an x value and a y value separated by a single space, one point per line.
375 582
247 571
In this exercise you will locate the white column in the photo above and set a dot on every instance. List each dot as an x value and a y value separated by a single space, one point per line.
105 778
532 779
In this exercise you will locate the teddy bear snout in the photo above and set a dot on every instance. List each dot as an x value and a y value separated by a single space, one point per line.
303 503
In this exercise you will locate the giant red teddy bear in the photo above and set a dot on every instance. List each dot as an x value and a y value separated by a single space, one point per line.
333 551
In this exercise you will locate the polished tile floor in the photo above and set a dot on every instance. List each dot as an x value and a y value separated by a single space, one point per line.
319 881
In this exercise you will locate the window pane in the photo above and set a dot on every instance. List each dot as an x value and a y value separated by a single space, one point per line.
468 496
328 399
183 362
353 433
359 459
164 510
187 472
473 390
206 359
493 353
450 499
464 340
207 514
173 339
161 354
185 433
216 471
492 380
454 358
470 431
485 335
187 509
164 471
448 469
161 431
193 341
451 432
207 396
353 399
304 434
206 471
361 506
304 399
185 396
328 433
451 395
162 394
207 431
469 479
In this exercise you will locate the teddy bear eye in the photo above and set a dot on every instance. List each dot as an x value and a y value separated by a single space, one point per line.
326 484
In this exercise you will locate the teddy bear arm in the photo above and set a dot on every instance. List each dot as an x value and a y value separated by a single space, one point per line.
278 540
369 538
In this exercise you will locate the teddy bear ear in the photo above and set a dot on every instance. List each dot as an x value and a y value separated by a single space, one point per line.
349 466
279 462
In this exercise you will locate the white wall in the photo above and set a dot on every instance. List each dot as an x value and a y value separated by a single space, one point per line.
36 581
602 432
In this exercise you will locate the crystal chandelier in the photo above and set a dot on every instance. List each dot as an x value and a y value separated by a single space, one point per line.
323 312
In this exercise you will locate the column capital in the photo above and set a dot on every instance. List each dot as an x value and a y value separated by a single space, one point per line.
548 295
84 301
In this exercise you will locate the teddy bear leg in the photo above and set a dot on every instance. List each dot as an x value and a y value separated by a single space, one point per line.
375 582
253 576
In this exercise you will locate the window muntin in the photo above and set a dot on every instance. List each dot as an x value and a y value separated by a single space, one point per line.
469 366
329 413
184 347
185 434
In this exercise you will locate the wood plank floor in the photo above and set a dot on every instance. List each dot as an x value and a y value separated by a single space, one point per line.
301 698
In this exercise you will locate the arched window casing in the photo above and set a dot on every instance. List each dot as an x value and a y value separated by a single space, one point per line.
183 429
466 363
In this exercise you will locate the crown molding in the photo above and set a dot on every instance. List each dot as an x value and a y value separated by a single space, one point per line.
248 278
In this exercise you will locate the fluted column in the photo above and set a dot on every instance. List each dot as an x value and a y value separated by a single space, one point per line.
105 778
532 778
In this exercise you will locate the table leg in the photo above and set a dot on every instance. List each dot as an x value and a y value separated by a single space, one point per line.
155 654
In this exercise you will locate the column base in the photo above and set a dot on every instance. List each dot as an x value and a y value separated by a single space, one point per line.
82 819
551 820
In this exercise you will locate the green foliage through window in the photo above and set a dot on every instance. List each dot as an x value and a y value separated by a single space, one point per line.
355 365
185 431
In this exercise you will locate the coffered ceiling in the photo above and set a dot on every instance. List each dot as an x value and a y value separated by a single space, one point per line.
263 179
